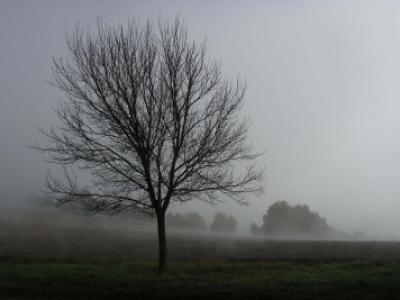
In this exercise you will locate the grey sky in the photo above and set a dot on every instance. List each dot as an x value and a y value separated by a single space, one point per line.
323 94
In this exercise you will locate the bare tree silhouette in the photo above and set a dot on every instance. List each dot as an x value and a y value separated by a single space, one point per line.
151 119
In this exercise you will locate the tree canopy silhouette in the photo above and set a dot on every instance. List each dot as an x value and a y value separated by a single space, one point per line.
282 219
191 220
151 119
223 223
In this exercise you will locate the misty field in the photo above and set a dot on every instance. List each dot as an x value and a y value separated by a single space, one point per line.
123 279
68 257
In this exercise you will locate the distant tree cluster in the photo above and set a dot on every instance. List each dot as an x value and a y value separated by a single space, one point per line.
223 223
191 220
282 219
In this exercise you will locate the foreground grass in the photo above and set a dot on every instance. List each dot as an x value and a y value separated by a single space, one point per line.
34 278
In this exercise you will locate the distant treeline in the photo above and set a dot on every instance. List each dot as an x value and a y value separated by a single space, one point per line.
283 219
280 220
193 221
298 221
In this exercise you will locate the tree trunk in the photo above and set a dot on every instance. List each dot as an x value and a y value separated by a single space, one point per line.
162 241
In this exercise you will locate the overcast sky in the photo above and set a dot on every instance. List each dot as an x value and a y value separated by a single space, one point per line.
323 95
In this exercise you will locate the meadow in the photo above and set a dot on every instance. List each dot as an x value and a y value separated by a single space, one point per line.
44 258
38 278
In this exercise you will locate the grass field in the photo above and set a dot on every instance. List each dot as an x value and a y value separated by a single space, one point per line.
38 278
50 259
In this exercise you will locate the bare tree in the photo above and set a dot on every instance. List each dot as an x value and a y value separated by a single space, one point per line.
151 119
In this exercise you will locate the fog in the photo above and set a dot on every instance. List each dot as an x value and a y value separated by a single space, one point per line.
322 94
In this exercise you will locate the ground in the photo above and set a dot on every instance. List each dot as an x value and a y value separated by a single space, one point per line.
64 259
35 278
